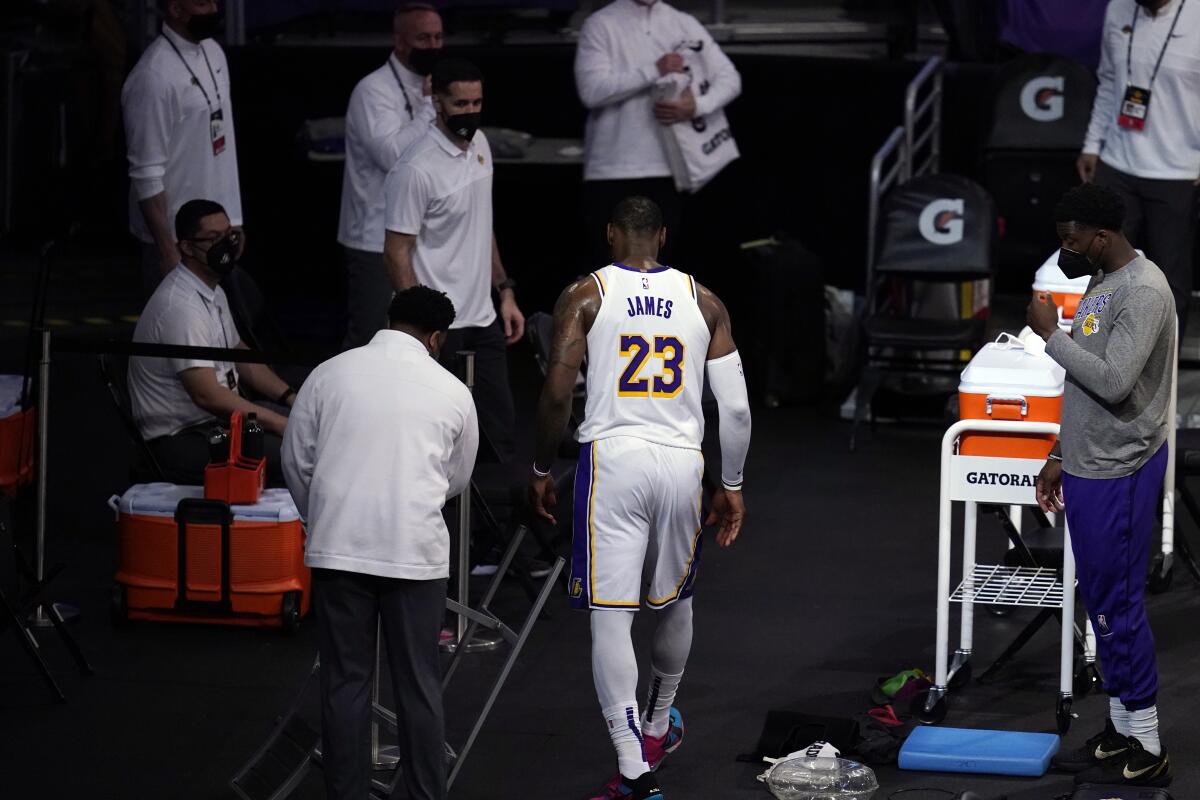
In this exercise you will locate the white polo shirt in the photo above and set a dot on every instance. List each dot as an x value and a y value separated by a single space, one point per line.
183 310
443 195
168 134
1168 148
387 113
615 70
380 437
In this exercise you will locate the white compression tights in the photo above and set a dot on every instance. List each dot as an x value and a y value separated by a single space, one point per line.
615 671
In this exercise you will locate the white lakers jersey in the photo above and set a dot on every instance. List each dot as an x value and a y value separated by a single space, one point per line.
646 354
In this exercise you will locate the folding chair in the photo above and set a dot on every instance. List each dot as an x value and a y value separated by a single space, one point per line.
113 371
937 231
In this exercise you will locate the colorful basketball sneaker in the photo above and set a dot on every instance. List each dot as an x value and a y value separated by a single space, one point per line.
656 748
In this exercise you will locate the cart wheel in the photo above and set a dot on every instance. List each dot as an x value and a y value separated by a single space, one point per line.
290 612
118 606
1161 572
999 611
1063 715
933 716
961 677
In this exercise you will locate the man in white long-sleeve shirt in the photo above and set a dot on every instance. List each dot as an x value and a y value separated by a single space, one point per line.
179 133
389 110
380 438
623 49
1144 136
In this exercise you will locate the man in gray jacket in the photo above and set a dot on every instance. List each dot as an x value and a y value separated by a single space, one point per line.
1106 470
379 439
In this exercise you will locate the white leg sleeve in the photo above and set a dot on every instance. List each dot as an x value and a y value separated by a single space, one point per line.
733 405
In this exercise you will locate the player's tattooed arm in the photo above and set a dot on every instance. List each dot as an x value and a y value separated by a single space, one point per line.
573 316
719 328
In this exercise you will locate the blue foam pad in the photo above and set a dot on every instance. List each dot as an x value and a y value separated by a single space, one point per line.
965 750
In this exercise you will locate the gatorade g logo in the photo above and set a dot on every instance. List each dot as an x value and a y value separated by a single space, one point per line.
942 221
1042 98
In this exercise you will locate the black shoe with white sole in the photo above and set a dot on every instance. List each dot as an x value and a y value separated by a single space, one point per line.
1095 751
1135 767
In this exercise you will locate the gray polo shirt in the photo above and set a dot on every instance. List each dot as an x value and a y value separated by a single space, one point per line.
1118 362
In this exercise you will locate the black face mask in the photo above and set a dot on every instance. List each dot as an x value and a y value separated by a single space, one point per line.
422 60
1075 264
204 26
464 125
221 257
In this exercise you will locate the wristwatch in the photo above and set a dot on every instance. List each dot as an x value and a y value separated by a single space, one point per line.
507 283
283 398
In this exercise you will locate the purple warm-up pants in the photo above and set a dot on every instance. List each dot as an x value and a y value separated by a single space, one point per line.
1112 522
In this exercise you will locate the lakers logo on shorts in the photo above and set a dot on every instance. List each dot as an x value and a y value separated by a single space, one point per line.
1091 324
576 587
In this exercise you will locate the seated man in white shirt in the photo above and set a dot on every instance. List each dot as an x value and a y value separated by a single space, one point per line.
178 401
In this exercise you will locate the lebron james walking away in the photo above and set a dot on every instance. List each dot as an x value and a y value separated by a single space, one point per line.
651 334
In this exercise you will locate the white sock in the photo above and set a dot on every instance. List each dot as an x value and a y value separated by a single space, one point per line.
614 668
659 699
625 730
1119 715
1143 726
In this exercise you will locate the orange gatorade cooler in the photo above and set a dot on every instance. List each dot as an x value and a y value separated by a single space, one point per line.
1065 292
184 558
16 436
1005 382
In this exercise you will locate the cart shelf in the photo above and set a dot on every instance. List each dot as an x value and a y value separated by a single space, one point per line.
998 585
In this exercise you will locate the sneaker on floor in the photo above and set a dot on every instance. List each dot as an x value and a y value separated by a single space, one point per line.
1135 767
657 748
1096 750
622 788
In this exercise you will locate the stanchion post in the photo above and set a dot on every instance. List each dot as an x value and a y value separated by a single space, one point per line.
43 449
467 359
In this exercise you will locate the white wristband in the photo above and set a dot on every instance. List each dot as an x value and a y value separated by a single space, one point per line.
538 472
729 488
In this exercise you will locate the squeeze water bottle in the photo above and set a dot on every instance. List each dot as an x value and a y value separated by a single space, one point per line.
252 438
818 773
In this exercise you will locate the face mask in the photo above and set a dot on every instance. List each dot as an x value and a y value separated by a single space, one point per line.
422 60
203 26
1075 264
221 257
464 125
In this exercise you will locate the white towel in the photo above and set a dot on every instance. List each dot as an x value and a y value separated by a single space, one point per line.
700 147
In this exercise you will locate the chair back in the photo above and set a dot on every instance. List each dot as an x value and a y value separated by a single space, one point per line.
114 372
937 227
1042 102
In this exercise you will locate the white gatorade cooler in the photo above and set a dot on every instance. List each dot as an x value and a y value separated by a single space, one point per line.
1066 293
1007 382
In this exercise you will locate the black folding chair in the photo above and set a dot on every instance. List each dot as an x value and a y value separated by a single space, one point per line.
113 371
936 229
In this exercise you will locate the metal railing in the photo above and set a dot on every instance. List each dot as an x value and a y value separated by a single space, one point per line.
923 120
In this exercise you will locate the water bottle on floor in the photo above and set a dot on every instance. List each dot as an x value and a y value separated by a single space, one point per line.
818 773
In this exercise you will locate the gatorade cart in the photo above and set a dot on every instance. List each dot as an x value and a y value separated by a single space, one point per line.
1010 402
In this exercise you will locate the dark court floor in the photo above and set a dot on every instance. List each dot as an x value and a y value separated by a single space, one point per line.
830 587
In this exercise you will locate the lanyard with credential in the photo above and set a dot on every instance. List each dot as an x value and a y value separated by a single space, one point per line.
1161 53
195 80
407 105
1136 103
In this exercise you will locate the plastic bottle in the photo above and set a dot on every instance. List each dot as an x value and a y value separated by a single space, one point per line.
218 446
252 438
819 774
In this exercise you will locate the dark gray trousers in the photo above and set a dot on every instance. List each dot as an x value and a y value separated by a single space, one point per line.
368 295
347 605
1160 218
